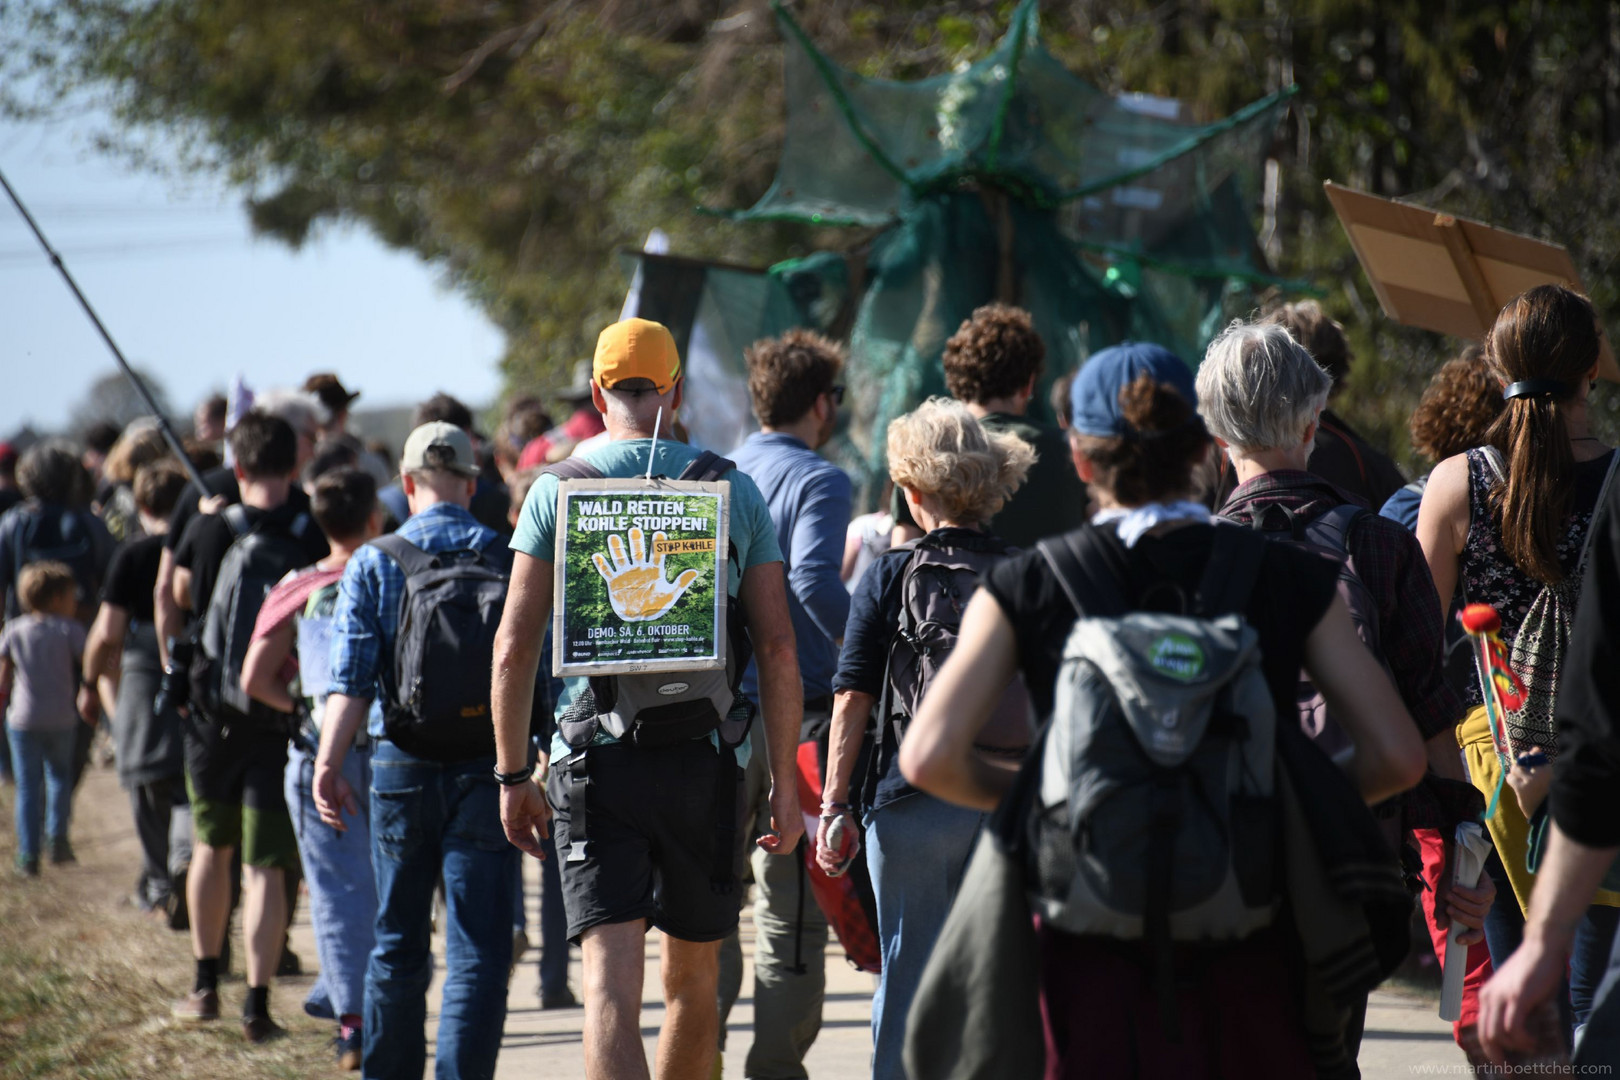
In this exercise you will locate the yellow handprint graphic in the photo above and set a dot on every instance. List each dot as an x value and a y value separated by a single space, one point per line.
636 586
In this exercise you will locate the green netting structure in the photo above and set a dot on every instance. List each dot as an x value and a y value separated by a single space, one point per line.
1108 218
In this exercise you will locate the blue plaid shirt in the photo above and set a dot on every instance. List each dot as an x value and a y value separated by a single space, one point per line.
367 615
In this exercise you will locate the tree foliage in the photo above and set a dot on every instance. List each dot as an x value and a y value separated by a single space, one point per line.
112 399
517 144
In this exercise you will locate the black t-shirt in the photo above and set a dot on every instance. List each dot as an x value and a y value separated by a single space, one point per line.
1585 796
220 481
1344 458
1291 594
9 497
133 575
208 537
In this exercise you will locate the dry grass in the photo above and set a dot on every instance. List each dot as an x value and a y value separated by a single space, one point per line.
86 981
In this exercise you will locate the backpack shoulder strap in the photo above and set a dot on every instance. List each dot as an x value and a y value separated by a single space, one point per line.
1331 528
411 559
707 467
236 519
1079 562
1232 570
572 469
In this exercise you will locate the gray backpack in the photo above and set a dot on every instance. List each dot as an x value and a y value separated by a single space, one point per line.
1155 819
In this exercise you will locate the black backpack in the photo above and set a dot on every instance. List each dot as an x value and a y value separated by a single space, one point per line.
1328 534
53 533
938 581
437 689
259 558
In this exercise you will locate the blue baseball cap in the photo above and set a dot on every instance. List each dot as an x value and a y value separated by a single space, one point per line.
1094 394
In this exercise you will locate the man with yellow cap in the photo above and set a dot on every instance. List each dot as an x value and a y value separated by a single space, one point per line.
652 811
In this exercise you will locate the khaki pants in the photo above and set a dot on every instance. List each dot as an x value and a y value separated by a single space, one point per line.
787 996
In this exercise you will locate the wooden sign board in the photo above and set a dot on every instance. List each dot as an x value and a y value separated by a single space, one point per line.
1449 274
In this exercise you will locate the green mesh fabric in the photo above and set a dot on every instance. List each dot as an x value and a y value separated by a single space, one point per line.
1108 218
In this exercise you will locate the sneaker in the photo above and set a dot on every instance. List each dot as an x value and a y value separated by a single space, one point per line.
61 851
261 1029
197 1007
26 868
346 1048
562 999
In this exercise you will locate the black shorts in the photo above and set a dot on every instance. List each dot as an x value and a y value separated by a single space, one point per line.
235 779
650 841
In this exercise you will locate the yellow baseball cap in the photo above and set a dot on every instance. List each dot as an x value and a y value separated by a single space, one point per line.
636 349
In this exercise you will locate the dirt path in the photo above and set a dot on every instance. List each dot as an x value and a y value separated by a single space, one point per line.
86 981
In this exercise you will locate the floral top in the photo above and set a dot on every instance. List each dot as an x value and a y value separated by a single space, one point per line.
1488 575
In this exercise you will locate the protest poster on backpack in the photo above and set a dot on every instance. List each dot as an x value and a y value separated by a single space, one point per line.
640 576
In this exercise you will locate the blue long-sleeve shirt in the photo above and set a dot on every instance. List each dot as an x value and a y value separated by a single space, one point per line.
809 500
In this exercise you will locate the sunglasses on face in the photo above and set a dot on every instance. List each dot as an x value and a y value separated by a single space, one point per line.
837 394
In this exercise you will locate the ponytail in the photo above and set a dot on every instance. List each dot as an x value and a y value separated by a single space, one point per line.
1541 347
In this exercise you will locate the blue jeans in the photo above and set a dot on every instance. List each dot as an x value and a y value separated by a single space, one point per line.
1589 953
917 849
342 888
42 764
429 818
1600 1043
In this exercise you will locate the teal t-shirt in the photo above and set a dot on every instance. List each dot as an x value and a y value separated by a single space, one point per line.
751 530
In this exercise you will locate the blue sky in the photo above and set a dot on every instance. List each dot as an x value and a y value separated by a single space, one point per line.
176 275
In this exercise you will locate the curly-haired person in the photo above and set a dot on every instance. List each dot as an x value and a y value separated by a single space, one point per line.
1454 415
992 365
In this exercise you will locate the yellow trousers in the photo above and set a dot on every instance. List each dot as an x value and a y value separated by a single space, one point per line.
1509 830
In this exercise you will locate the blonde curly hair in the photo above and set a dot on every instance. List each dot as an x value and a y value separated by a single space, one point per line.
939 449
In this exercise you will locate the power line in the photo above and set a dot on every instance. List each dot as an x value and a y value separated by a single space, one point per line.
131 249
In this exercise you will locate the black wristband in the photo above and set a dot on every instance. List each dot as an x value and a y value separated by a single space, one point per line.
512 779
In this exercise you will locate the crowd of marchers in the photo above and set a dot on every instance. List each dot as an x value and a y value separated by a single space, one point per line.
1139 741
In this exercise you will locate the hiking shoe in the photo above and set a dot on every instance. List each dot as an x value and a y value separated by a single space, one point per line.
290 964
261 1029
562 999
61 851
346 1048
197 1007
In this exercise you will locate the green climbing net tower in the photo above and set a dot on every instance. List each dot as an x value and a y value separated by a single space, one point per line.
1108 218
